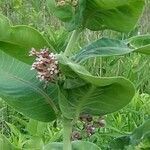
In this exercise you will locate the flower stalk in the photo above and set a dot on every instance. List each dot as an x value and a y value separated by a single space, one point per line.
67 131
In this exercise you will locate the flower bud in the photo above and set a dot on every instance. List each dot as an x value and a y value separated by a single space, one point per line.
86 117
74 3
101 123
90 129
76 135
61 3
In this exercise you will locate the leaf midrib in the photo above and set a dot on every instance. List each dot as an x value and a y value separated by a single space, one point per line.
35 88
83 100
9 42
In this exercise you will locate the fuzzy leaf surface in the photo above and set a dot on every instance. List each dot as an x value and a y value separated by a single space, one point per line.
101 48
112 14
97 96
77 145
21 90
18 40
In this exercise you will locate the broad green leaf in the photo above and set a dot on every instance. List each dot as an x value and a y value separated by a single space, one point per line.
103 47
64 13
99 15
76 145
35 143
83 145
134 138
73 83
5 144
112 47
120 143
119 15
141 132
141 43
100 95
21 90
18 40
53 146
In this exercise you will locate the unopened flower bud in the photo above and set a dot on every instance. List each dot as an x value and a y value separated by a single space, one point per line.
100 123
90 130
74 3
86 117
61 3
33 52
76 135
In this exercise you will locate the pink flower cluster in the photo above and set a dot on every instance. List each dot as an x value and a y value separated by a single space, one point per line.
46 65
88 127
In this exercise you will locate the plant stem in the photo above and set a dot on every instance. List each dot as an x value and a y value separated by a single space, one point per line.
72 41
67 128
101 66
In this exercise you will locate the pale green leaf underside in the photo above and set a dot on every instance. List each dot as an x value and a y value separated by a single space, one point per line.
111 47
103 47
100 95
20 89
17 41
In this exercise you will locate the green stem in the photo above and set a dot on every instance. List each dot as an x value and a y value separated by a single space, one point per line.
67 128
101 65
72 42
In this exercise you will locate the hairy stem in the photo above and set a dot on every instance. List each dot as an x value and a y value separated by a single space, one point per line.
67 128
72 42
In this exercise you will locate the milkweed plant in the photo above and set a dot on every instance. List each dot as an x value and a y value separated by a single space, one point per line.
45 84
